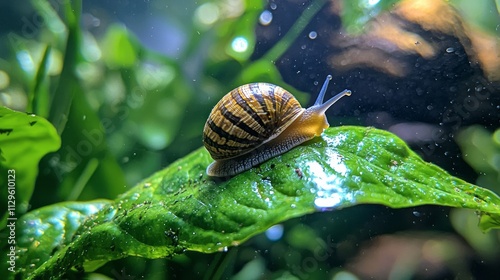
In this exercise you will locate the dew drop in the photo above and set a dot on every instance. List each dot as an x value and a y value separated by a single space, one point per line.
450 50
313 35
275 232
266 17
273 6
327 202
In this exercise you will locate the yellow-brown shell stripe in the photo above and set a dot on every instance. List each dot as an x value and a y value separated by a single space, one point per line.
246 117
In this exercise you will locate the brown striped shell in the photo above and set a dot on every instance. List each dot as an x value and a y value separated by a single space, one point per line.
247 117
258 121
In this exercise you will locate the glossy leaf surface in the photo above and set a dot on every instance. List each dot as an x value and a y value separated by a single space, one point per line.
179 208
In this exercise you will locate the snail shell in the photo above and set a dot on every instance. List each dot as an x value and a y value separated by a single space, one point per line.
255 122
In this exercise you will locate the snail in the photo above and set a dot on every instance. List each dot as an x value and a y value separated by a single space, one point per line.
258 121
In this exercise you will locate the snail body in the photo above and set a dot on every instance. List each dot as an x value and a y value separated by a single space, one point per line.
258 121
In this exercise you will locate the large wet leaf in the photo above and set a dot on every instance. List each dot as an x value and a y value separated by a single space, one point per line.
54 228
180 208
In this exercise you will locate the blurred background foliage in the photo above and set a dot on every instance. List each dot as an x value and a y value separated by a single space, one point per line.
129 84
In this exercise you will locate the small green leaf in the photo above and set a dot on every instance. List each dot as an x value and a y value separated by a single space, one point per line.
24 140
357 13
481 151
488 221
179 208
119 49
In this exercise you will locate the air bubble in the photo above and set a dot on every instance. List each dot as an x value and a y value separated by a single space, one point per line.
313 35
275 232
450 50
265 18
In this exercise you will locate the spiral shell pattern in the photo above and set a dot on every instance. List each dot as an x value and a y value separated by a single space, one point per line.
247 117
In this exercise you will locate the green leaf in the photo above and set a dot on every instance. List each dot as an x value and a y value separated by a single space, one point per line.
118 47
24 140
481 150
357 13
39 94
51 228
68 85
179 208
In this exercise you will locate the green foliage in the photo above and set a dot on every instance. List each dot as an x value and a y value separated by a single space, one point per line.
481 150
180 208
24 140
118 49
124 111
356 14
